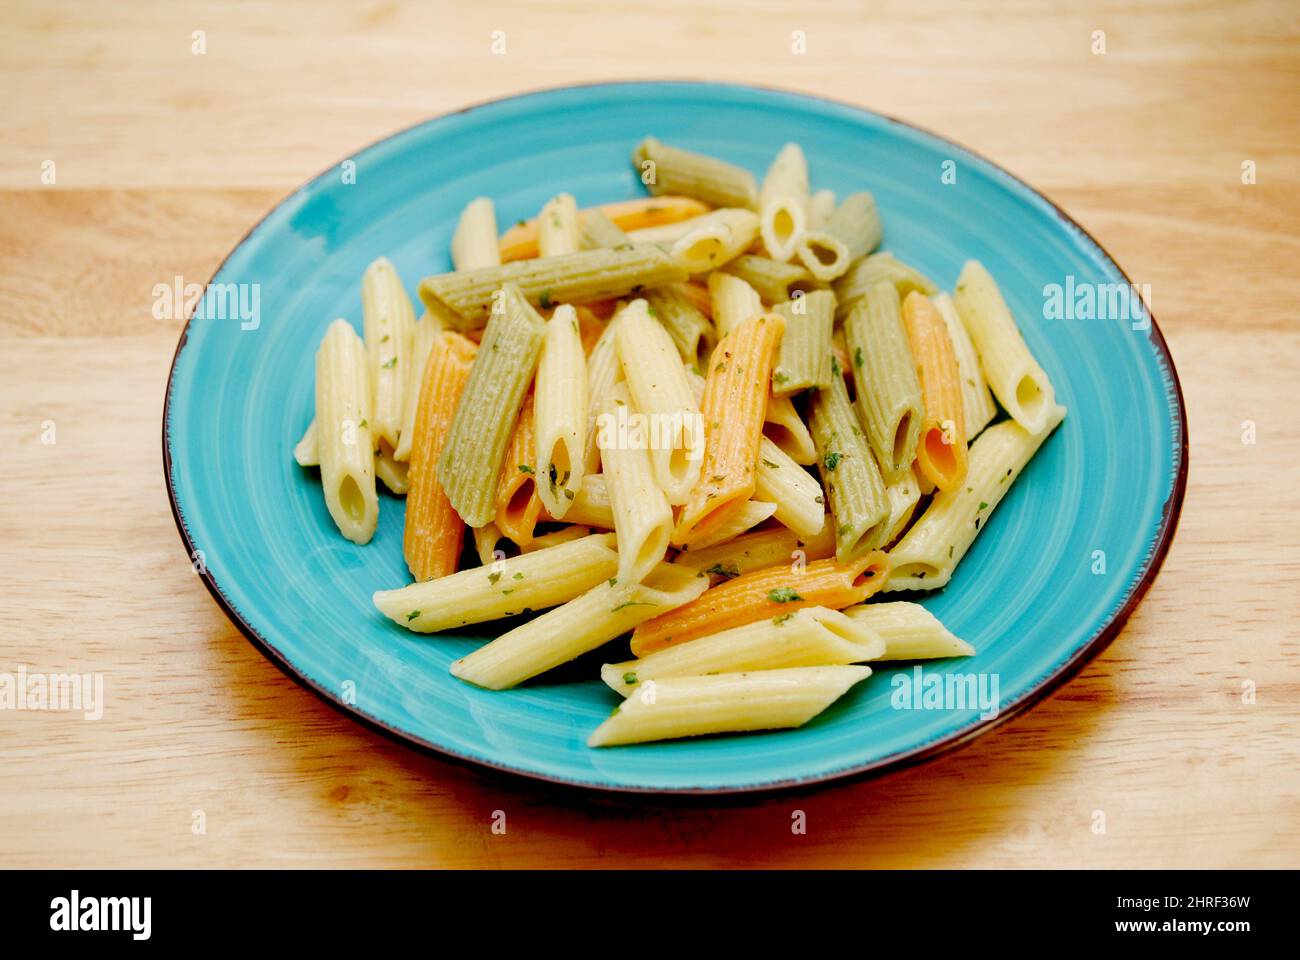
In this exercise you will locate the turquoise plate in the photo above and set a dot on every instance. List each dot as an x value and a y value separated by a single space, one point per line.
1064 559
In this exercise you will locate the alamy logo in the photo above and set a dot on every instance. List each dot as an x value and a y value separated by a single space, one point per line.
920 690
1074 300
102 913
216 301
82 692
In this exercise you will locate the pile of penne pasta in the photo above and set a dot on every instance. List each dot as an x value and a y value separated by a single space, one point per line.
714 417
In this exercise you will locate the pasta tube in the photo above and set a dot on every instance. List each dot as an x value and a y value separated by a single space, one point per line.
423 334
661 395
471 458
929 552
520 241
735 400
467 296
603 372
734 302
748 514
797 496
804 360
434 533
692 333
727 703
474 244
345 450
856 224
902 496
561 405
556 537
888 393
591 506
598 230
859 505
502 588
775 281
763 594
821 206
389 323
642 518
518 505
610 608
757 550
488 544
877 268
941 446
306 452
391 471
783 202
557 227
824 254
787 430
978 407
670 170
715 238
811 637
1014 375
909 631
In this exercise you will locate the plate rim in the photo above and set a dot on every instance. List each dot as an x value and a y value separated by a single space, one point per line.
1171 510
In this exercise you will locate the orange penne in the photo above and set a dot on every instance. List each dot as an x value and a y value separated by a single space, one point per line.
520 241
941 449
770 592
734 407
518 505
434 532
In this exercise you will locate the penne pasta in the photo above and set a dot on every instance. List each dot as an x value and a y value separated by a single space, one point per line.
556 537
306 453
811 637
490 544
344 446
797 497
854 489
671 170
727 703
734 302
662 396
735 401
470 462
783 202
856 224
784 427
557 227
474 244
978 407
561 413
643 519
941 446
804 360
520 241
929 552
389 323
610 608
591 506
824 255
775 281
692 333
391 471
762 594
902 496
715 238
603 372
423 334
757 550
877 268
467 297
1012 373
909 631
434 533
518 506
821 206
888 396
746 516
598 231
502 588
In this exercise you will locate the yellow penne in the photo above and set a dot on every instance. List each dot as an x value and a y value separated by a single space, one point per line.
561 413
797 497
734 302
784 427
389 322
474 244
643 519
909 631
757 551
783 202
345 450
557 227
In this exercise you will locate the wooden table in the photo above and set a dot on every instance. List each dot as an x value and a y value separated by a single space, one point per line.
164 157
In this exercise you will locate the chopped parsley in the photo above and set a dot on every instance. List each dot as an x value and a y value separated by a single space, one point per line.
545 299
857 357
782 618
493 577
525 468
832 460
783 595
727 572
629 678
412 615
769 463
392 362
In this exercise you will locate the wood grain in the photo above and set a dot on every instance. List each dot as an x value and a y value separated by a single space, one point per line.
163 160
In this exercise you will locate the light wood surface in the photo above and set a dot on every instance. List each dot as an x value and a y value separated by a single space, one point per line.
165 158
